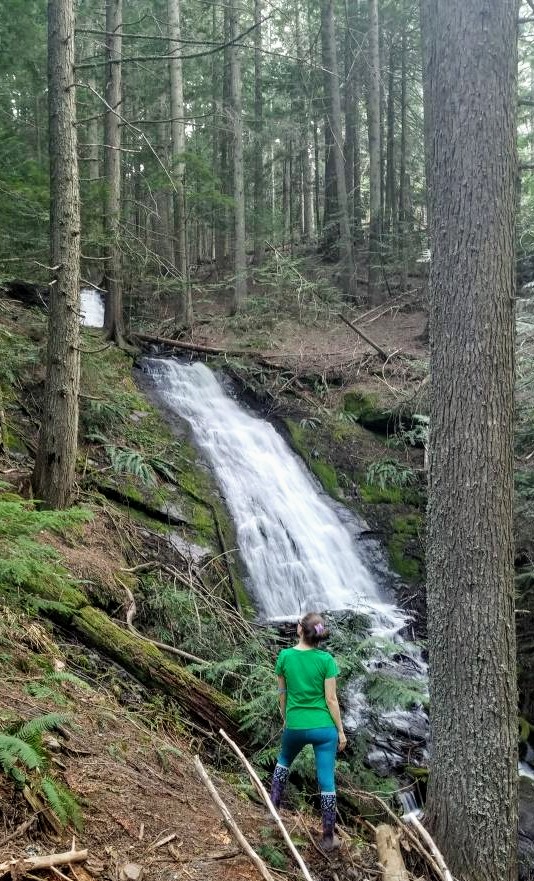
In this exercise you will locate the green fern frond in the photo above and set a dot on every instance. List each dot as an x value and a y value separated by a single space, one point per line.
40 724
65 676
61 801
127 461
45 693
14 749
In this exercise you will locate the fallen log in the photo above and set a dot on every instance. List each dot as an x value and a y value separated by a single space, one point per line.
20 867
389 854
196 347
384 355
142 659
230 823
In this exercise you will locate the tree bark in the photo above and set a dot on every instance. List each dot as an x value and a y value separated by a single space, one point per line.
259 180
404 179
55 463
373 122
236 123
390 195
472 796
93 135
333 121
185 309
114 319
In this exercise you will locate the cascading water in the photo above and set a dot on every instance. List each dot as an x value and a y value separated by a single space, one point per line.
298 553
91 308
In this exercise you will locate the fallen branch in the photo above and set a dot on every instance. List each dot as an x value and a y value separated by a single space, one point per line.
130 615
18 867
389 854
263 793
196 347
436 853
367 339
230 823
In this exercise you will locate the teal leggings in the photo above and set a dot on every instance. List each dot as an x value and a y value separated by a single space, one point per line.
324 742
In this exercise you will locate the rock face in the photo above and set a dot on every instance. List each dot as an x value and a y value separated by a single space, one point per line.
526 829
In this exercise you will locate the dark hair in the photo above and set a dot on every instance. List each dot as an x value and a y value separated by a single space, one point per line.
313 628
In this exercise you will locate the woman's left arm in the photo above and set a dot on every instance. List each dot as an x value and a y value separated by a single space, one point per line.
282 696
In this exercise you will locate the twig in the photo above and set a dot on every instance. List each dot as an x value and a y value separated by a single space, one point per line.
272 810
230 823
130 615
20 830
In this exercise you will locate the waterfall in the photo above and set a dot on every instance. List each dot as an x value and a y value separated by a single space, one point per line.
92 307
299 554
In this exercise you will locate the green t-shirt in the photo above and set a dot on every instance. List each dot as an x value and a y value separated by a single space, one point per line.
304 673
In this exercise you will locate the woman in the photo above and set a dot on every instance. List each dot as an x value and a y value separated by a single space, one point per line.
310 711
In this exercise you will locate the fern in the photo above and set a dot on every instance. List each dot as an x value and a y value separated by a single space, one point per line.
15 751
389 472
45 693
62 802
127 461
37 726
65 676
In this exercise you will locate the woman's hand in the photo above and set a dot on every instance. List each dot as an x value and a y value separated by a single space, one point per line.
342 742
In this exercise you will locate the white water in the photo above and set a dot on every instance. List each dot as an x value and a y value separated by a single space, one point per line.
92 308
298 553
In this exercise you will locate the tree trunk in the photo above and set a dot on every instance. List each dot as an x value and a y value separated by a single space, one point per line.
373 122
333 121
55 463
390 196
424 13
236 122
114 319
404 179
472 796
185 309
93 135
259 182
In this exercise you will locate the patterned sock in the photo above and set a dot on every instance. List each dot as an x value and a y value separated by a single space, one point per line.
280 778
328 813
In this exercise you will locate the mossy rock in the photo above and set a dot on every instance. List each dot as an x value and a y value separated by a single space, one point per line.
368 410
404 547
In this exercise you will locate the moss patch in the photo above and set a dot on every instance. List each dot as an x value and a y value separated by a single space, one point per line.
404 547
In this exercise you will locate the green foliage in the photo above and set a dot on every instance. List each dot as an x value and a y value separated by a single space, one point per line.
24 759
416 436
62 802
272 855
25 561
390 692
389 473
405 548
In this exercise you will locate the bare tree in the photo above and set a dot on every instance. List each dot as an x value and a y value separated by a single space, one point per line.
259 180
472 799
53 477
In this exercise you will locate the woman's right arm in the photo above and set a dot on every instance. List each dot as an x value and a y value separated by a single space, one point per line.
330 693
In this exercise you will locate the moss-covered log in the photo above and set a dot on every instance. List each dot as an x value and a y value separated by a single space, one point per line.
147 663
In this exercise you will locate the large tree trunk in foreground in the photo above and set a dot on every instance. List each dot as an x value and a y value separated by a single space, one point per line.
185 307
56 455
114 320
472 799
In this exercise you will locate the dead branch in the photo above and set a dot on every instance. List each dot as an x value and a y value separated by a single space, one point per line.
436 853
389 854
230 823
367 339
130 615
17 867
272 810
20 830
